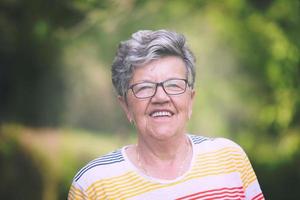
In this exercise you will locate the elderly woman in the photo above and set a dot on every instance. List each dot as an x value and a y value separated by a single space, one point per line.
154 75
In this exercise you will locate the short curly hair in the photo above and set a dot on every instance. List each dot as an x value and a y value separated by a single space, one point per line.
145 46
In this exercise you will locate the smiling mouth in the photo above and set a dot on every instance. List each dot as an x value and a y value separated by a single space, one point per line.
161 114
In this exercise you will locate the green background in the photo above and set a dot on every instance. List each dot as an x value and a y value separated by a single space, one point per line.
58 109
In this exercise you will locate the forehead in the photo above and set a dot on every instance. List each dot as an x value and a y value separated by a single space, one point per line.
160 70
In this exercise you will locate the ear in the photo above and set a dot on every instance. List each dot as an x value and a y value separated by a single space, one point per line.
193 93
124 104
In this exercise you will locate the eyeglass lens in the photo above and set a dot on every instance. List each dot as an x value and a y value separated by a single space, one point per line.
148 89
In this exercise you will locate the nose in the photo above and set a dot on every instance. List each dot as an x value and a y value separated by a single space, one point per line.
160 94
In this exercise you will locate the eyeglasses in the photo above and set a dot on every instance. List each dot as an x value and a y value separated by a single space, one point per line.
148 89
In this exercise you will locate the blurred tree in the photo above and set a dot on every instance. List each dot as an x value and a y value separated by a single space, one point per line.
248 76
32 81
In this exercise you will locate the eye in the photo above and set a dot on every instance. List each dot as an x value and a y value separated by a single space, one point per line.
143 87
175 85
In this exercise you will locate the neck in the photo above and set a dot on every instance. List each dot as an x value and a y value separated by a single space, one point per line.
162 149
164 159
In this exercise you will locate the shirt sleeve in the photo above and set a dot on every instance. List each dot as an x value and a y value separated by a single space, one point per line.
76 192
250 183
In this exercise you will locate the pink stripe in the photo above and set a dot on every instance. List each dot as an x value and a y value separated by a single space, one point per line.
260 196
206 193
225 194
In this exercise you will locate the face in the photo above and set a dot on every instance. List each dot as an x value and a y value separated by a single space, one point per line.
162 116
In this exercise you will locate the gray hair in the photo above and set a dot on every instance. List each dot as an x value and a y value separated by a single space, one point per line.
145 46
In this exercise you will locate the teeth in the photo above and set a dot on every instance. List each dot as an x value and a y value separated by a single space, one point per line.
161 114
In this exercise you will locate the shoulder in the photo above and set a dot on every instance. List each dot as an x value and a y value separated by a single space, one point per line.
207 144
197 139
100 167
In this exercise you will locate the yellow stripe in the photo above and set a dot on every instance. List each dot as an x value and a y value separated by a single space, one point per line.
122 179
75 193
119 187
221 169
221 151
223 161
247 175
205 164
152 186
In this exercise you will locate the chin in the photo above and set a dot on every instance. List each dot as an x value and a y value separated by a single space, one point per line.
163 134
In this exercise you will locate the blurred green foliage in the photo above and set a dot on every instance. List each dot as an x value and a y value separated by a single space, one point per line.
55 61
41 162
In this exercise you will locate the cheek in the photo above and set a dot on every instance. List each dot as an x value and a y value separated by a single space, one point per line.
190 110
138 110
186 107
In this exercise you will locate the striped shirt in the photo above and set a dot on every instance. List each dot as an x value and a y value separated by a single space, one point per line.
220 169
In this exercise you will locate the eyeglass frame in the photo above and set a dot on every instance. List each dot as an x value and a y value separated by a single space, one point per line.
159 84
